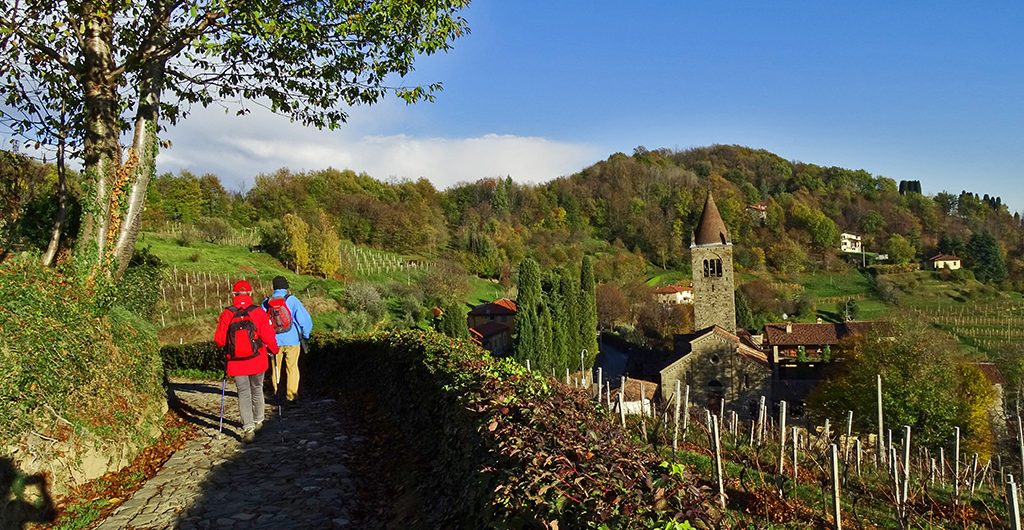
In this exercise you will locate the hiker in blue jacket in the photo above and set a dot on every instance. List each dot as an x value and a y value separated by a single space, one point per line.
292 323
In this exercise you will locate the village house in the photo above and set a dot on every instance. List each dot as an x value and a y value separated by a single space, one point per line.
944 261
850 242
800 356
674 294
758 212
491 325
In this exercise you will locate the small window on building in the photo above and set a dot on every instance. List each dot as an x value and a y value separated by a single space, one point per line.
718 268
715 359
707 268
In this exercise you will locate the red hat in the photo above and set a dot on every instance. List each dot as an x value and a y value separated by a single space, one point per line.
242 286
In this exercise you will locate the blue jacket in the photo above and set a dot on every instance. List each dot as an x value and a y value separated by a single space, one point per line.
301 321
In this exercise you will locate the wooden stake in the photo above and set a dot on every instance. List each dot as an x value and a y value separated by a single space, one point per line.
718 461
849 431
796 438
675 433
906 469
880 441
686 411
836 513
782 437
956 464
622 409
1013 507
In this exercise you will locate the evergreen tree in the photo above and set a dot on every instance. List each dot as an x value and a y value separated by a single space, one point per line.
544 357
559 324
453 320
571 300
986 258
588 317
528 332
744 315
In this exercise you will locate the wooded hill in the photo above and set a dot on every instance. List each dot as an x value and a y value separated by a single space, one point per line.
627 210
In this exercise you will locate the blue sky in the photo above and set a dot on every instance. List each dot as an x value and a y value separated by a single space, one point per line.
932 91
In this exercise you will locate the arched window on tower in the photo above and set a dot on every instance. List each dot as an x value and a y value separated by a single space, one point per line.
707 268
718 268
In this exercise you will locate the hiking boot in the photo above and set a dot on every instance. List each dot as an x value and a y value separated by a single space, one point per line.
259 425
249 435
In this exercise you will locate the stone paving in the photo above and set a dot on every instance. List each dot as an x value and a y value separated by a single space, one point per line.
294 475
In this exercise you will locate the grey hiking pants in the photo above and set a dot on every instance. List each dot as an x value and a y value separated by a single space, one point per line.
250 399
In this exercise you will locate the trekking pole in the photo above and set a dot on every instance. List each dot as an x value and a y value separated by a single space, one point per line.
223 385
277 385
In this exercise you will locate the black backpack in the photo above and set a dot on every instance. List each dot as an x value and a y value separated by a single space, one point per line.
241 322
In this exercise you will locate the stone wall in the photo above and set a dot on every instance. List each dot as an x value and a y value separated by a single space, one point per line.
714 301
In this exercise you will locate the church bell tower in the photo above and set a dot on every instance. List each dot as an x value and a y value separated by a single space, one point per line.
714 301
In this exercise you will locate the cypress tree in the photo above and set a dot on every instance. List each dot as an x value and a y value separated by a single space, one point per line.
545 335
570 318
453 321
559 324
527 337
986 258
588 318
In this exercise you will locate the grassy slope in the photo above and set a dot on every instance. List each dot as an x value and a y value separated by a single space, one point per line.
260 268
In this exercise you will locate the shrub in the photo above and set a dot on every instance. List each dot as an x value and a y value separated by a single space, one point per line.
507 448
213 229
63 354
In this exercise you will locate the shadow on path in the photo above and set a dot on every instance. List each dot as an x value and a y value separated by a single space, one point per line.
31 503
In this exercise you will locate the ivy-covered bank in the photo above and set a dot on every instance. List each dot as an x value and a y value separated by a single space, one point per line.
80 375
505 448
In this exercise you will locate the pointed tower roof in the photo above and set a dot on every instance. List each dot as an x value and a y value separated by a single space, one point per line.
711 229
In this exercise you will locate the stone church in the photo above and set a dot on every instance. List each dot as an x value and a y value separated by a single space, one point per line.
721 366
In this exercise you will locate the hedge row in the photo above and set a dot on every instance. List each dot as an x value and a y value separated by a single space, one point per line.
508 449
204 356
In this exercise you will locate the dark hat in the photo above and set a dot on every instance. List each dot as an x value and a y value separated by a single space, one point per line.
280 282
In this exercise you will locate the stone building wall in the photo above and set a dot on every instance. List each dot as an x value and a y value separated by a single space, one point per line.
713 296
715 371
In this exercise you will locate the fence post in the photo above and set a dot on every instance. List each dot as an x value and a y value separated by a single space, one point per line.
880 442
782 437
836 513
675 434
718 461
1013 508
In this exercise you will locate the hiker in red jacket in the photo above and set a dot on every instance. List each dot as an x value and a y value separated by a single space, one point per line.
245 333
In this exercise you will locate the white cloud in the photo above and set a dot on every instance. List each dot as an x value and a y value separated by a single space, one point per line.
238 148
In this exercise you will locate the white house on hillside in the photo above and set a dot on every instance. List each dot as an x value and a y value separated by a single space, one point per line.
674 294
850 242
944 261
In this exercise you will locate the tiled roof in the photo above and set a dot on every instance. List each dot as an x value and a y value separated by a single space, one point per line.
632 390
711 229
490 328
811 334
991 373
503 306
943 257
506 303
672 289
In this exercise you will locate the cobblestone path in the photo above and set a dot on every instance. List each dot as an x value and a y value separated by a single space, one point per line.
294 475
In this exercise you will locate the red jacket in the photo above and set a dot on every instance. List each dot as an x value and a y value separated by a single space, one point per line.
264 329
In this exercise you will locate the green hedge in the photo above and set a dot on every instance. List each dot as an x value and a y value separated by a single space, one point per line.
506 449
204 356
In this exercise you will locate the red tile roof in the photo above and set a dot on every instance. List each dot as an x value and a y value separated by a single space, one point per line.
811 334
991 373
489 329
943 257
503 306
